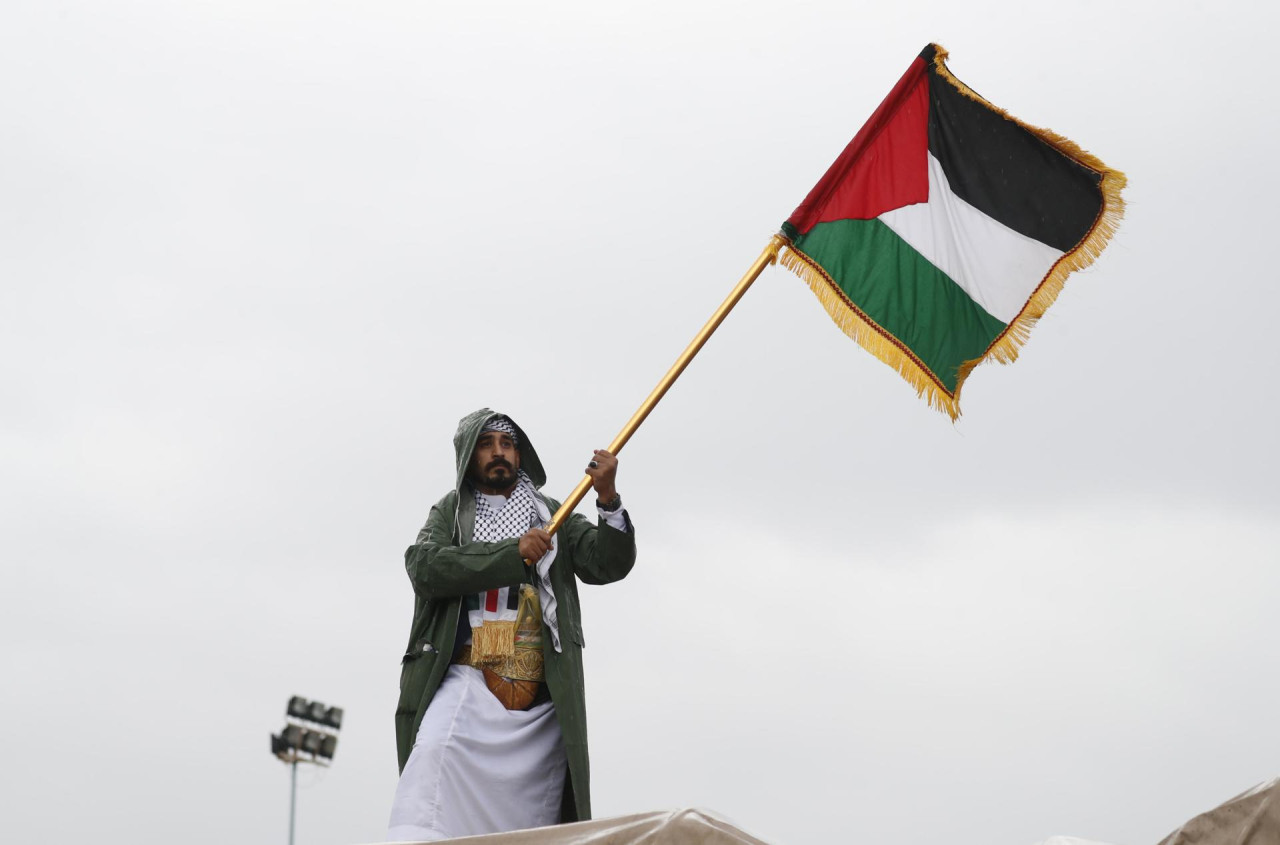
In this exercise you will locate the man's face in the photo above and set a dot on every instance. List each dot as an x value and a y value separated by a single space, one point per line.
495 462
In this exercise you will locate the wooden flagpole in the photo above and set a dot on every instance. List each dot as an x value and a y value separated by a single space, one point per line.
767 257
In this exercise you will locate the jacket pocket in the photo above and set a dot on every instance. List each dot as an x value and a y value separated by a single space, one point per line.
420 647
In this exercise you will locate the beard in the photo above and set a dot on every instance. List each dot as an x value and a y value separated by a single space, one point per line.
497 475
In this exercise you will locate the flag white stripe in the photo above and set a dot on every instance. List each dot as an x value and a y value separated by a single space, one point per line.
998 267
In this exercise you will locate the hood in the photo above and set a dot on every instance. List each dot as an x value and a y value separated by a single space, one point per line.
464 443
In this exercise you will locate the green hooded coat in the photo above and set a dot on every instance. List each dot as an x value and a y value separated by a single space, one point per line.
445 565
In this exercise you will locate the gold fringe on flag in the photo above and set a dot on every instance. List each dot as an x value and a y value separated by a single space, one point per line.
869 335
1004 349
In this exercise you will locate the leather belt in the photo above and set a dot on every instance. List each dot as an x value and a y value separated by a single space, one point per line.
513 693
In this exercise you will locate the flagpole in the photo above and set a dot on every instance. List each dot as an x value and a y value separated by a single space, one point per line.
767 257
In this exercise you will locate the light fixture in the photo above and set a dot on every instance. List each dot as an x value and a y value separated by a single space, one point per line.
311 741
310 735
297 707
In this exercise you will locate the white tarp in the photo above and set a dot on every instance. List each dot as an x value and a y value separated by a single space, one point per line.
1250 818
686 827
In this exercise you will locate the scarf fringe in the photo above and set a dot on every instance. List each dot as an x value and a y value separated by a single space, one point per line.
493 639
1004 349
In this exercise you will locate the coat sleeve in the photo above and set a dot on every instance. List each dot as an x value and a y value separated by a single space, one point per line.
439 569
601 553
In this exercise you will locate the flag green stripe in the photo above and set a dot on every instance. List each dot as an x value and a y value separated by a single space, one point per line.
903 293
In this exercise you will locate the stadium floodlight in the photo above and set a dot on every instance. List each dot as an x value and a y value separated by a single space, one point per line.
297 707
316 736
311 741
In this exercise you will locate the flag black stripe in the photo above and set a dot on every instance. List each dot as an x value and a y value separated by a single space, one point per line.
1008 173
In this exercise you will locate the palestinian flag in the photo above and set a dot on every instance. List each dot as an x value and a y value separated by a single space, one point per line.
945 229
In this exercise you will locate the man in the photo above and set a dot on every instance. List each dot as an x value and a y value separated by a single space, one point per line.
491 724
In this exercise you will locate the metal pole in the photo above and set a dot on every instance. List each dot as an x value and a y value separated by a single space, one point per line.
293 796
767 257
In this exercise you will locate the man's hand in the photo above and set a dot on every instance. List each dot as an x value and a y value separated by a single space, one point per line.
603 470
534 543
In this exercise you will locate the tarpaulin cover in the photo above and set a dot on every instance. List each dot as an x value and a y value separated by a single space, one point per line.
1251 818
686 827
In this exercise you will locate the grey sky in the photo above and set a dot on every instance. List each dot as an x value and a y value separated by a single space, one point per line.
256 259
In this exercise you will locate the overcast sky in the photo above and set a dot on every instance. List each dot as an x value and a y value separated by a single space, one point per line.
257 258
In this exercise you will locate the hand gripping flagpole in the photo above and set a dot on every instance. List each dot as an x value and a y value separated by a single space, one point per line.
767 257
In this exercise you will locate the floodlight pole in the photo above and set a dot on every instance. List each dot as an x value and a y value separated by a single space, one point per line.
293 795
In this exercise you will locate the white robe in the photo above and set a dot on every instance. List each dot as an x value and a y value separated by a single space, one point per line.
477 767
